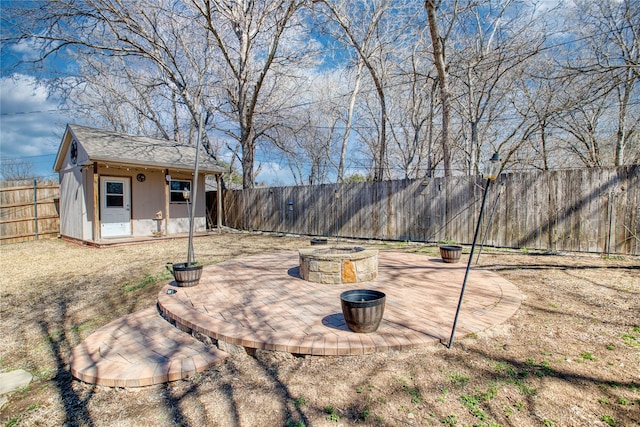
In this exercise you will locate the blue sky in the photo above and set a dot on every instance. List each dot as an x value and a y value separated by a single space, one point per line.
32 122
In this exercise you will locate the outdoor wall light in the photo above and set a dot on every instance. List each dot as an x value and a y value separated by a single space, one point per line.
290 206
186 194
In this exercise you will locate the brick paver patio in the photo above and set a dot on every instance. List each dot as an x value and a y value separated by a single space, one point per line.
261 302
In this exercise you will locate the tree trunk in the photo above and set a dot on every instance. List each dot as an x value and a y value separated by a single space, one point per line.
247 165
439 61
347 132
382 154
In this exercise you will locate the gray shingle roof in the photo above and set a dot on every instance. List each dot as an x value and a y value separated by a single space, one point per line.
109 146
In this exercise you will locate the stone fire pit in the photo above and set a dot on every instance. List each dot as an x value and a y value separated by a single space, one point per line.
338 264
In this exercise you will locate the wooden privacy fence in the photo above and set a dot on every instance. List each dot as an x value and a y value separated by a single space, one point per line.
29 210
587 210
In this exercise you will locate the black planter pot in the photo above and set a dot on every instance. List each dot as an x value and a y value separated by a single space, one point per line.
450 253
185 275
362 309
318 241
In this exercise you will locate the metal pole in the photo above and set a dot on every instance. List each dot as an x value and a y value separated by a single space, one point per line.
484 235
219 203
35 205
466 274
610 213
336 194
190 254
190 248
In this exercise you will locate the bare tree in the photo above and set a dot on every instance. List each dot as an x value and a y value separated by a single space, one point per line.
412 110
16 170
439 60
541 100
152 44
493 44
349 121
115 96
419 92
249 36
370 28
610 55
199 49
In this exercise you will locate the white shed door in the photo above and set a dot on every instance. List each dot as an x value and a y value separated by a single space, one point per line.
115 207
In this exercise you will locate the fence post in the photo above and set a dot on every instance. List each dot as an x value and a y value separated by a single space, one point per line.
35 205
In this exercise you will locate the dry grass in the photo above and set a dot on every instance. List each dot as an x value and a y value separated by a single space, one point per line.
569 357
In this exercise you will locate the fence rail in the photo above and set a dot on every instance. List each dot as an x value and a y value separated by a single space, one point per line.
587 210
29 210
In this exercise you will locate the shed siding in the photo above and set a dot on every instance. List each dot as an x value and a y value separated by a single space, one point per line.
71 204
88 208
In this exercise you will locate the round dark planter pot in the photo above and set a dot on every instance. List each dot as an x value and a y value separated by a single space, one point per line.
450 253
185 275
318 241
362 309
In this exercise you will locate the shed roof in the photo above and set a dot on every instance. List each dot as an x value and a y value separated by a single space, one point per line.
114 147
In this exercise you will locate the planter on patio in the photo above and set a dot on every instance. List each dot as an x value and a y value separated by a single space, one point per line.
450 253
362 309
184 274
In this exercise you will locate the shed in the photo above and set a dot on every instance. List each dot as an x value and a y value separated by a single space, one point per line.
114 185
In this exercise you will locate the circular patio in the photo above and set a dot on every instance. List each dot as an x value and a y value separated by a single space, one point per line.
261 302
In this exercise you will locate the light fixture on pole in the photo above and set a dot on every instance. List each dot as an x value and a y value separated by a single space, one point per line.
493 167
491 173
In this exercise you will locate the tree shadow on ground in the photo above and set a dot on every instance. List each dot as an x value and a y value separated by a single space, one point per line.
75 405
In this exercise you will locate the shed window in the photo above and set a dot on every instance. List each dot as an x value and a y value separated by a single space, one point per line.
177 189
115 194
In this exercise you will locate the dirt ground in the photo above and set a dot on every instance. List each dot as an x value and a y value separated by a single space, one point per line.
570 356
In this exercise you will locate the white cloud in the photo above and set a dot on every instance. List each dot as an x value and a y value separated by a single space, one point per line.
26 50
31 125
19 92
548 4
274 175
